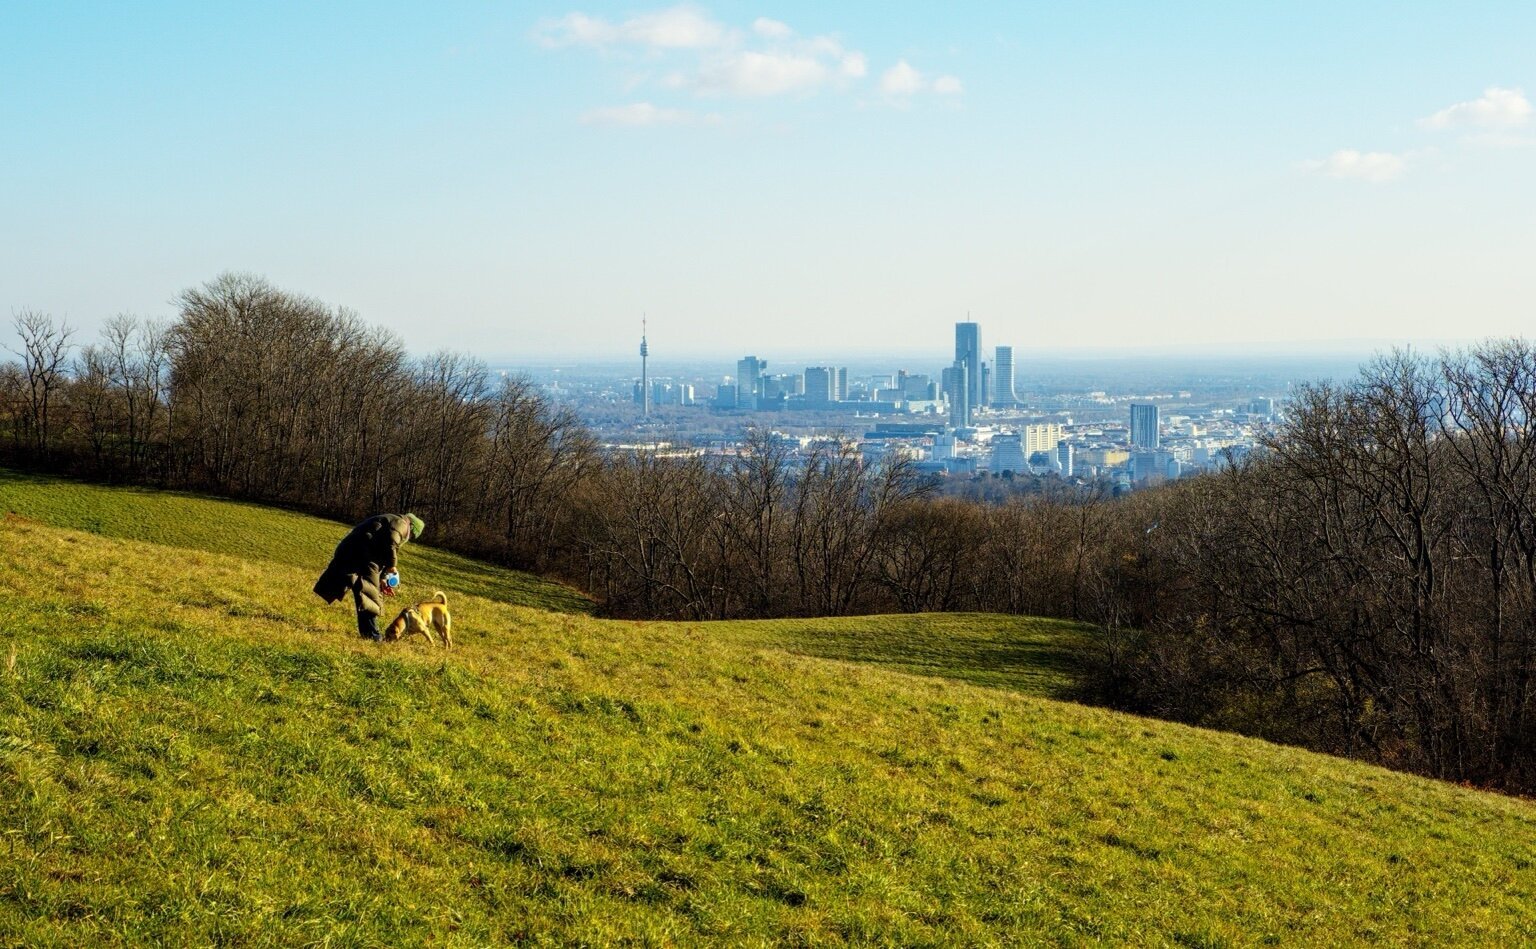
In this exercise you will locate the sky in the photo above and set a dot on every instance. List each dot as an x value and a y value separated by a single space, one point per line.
524 180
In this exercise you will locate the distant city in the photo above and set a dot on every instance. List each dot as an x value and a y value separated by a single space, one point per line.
1125 422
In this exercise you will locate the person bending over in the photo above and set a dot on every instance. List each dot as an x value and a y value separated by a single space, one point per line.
362 559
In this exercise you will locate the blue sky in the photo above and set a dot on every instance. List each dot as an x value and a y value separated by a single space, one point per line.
524 179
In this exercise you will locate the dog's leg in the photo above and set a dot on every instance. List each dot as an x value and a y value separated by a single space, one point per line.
447 630
424 625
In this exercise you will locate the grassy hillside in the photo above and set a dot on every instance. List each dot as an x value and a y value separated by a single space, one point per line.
193 750
1018 652
254 532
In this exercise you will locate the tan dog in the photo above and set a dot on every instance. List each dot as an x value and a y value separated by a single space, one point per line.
422 619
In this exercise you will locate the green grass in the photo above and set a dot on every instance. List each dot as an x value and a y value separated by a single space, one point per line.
1024 653
253 532
1028 654
195 750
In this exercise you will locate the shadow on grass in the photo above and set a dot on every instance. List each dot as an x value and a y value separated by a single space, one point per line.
1043 657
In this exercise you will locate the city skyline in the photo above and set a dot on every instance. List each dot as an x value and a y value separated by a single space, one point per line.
520 181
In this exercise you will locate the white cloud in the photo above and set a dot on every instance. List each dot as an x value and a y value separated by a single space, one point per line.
679 27
760 74
1363 166
771 29
686 49
823 46
577 29
902 80
1497 109
643 114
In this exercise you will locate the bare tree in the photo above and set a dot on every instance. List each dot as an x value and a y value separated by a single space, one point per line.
93 401
44 353
137 360
927 550
757 486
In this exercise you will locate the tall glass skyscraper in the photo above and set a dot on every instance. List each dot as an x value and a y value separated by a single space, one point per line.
968 355
1144 425
1002 378
959 399
749 382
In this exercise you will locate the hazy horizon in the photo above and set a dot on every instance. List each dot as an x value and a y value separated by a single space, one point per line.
1257 351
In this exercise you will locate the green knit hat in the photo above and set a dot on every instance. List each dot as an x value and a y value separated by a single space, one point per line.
417 525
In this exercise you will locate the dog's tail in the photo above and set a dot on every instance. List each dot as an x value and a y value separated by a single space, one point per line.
441 597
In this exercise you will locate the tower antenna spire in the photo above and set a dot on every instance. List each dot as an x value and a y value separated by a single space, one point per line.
645 380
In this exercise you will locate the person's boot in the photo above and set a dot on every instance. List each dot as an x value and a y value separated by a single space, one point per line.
368 627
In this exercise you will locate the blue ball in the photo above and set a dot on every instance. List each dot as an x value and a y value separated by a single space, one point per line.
393 580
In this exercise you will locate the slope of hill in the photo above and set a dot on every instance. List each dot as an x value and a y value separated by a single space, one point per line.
1028 654
193 749
254 532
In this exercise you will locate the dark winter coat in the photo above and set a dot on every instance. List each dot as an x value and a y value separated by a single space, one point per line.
368 550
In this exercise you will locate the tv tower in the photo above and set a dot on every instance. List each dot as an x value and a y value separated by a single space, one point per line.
645 382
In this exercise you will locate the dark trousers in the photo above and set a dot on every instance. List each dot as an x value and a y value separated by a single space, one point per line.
369 601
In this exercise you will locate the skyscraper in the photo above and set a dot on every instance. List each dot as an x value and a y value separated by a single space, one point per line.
968 354
820 385
1144 425
749 382
1002 378
1064 457
956 390
1008 454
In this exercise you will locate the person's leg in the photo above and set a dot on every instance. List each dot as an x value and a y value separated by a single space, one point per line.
365 593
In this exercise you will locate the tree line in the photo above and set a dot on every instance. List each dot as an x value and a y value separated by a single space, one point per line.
1364 584
1368 585
253 392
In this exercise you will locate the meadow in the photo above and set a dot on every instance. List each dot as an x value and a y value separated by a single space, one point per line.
255 532
195 750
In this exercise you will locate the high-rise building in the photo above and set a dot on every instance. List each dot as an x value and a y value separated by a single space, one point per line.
968 354
916 388
671 393
957 391
820 385
1002 378
1144 425
1042 437
840 388
1153 464
749 382
1064 457
1008 454
984 395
